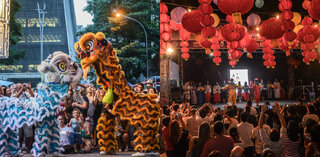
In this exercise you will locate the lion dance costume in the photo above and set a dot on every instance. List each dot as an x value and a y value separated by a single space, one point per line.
139 109
56 71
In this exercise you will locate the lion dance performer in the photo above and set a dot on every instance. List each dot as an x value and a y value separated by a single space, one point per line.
139 109
57 72
231 87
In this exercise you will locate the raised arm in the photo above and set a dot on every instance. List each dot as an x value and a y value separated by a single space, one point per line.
261 119
277 109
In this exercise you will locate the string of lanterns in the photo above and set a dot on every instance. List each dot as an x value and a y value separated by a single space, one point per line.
284 31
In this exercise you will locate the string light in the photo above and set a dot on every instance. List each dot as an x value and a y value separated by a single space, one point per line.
277 16
257 28
189 10
169 50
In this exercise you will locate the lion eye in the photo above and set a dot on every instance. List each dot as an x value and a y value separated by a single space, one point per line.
89 45
62 67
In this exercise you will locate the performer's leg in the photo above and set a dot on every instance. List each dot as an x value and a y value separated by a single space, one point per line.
218 96
106 133
13 145
41 144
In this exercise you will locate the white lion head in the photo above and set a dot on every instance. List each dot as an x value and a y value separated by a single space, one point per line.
58 68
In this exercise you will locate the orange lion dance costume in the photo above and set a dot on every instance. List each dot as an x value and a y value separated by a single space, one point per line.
139 109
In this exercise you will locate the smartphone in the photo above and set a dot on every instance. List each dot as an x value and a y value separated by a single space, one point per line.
177 114
287 105
270 107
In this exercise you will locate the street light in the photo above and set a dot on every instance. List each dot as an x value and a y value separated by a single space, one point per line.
4 28
145 33
41 14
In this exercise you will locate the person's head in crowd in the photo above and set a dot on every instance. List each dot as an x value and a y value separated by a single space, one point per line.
245 83
4 90
217 83
149 83
293 130
217 117
311 109
204 131
166 121
239 84
267 153
274 135
81 117
215 153
76 113
275 80
244 117
152 91
237 151
203 113
175 132
217 109
166 110
193 112
61 121
315 136
309 125
139 88
249 103
70 91
175 107
8 92
234 133
248 109
1 92
83 92
218 128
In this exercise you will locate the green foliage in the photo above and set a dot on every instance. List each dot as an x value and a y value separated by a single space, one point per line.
127 36
15 35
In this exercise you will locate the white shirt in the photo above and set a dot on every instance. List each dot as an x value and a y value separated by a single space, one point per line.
216 89
245 131
192 125
208 88
64 138
276 147
257 138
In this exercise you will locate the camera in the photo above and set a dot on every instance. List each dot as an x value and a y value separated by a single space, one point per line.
177 114
270 107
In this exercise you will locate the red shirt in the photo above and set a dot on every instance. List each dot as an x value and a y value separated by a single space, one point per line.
224 144
166 137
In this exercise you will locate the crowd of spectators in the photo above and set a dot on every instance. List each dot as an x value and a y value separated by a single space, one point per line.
269 130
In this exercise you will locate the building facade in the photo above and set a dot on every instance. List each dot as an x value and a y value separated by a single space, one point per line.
58 35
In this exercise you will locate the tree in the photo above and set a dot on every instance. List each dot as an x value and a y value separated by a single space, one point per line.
15 35
126 35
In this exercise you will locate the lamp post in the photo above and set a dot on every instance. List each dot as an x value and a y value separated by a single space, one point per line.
4 28
41 14
145 33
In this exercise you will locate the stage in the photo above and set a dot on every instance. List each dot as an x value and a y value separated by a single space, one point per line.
243 103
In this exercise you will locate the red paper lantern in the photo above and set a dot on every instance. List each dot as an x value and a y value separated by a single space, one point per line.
204 1
306 4
163 8
307 21
191 21
290 36
185 56
232 6
271 29
184 43
206 20
184 35
216 53
285 5
287 25
173 25
314 9
164 18
217 60
229 19
205 44
205 8
252 46
166 36
208 31
177 13
232 32
286 15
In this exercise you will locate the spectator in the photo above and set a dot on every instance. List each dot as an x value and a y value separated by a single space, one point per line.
310 115
76 125
166 137
222 143
235 136
83 107
179 138
237 151
215 153
192 124
197 142
245 131
65 135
